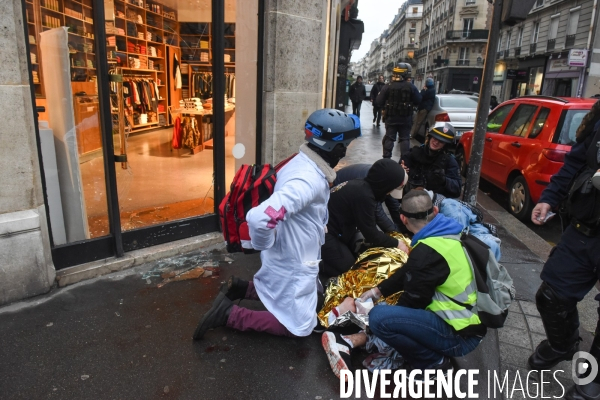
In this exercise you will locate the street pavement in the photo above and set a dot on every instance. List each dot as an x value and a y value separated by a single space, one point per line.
122 336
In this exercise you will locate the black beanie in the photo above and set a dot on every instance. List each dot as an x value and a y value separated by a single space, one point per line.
384 176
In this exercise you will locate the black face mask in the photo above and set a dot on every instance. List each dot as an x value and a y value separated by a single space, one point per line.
332 157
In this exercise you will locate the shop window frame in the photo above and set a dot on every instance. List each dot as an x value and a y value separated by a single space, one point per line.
117 242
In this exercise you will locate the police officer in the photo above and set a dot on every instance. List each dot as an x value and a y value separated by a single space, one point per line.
574 264
398 100
431 166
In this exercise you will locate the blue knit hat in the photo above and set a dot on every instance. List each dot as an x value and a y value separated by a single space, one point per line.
429 82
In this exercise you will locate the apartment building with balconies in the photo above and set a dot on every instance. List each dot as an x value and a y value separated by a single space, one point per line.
403 34
452 43
547 53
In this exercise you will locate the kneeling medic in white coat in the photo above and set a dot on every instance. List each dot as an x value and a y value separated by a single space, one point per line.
289 228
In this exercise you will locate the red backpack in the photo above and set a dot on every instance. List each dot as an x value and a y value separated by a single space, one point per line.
251 185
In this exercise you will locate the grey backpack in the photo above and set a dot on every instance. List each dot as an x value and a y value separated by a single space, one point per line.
495 290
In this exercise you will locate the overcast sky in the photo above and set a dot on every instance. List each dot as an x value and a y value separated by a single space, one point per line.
377 16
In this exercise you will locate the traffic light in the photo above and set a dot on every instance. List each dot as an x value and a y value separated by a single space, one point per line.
515 11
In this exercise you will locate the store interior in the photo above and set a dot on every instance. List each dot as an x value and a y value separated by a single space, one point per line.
160 58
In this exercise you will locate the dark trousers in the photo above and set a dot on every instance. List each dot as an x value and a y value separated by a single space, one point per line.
377 114
391 131
356 107
336 257
571 271
393 206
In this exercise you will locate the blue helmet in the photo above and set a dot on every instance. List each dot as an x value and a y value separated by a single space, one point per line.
328 127
429 82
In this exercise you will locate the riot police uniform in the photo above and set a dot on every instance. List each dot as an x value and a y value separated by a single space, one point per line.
573 266
398 100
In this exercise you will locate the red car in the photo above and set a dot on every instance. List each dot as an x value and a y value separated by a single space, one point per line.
525 144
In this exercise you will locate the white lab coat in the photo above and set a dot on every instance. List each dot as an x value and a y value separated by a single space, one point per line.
289 228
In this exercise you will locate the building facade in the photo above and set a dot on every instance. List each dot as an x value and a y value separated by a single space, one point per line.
403 36
547 53
453 43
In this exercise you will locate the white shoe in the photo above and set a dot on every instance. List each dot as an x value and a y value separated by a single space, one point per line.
596 180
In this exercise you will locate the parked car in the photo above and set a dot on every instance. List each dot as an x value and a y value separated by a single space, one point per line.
368 90
456 91
459 110
525 144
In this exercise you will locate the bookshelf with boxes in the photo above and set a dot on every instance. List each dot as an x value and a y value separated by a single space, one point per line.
137 41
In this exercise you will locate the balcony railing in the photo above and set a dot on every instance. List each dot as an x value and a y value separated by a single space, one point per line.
462 62
570 42
410 45
475 34
412 29
551 44
532 48
499 54
506 53
517 51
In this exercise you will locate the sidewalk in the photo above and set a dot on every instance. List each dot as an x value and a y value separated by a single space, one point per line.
121 336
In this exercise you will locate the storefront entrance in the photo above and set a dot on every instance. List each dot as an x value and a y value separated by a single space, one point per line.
142 111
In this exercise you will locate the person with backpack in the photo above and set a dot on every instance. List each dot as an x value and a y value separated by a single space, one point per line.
426 327
374 92
398 99
573 267
357 94
289 229
431 166
353 207
427 102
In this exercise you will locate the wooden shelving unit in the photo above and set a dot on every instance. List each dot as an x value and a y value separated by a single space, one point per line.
144 28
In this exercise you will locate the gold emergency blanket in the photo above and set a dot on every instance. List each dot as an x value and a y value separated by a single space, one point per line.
372 266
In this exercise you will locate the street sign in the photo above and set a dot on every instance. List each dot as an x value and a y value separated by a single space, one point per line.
577 58
475 80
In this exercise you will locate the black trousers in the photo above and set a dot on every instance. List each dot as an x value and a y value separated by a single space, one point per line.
572 269
393 130
356 108
336 257
377 114
574 265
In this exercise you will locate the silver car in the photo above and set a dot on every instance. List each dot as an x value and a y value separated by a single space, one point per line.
458 109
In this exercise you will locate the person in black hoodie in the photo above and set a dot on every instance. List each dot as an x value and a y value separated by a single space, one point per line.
427 102
352 206
357 94
374 92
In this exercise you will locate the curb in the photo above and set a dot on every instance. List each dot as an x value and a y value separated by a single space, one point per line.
522 232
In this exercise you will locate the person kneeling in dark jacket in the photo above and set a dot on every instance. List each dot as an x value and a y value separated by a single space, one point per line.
352 207
425 326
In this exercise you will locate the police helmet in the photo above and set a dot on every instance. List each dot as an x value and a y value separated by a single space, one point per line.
328 127
444 132
402 70
429 82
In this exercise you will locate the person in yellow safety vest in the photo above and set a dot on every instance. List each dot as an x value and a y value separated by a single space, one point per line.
430 323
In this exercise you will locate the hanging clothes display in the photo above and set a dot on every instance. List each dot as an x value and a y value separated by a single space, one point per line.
191 134
202 85
141 100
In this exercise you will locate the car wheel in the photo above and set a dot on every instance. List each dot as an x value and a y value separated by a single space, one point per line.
460 159
519 199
